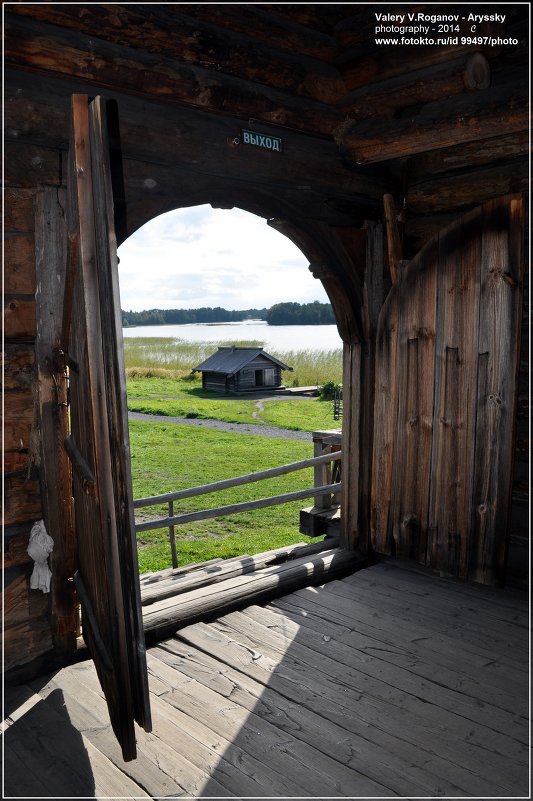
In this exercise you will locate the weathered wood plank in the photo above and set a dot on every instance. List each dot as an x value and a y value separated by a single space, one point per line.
160 766
385 679
270 29
148 136
504 604
358 704
363 65
26 641
421 665
175 35
452 466
474 186
17 426
440 124
31 165
439 653
397 623
19 319
171 613
435 81
238 481
17 364
499 324
60 757
296 767
351 534
35 46
469 156
18 216
228 722
50 241
361 755
509 641
177 583
19 264
385 417
22 500
417 299
244 506
107 559
15 544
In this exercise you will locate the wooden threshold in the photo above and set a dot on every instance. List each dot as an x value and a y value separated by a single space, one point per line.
177 598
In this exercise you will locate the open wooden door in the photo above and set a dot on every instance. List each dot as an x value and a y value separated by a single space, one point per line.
107 578
446 387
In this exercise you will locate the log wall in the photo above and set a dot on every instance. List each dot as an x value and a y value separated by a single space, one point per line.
27 632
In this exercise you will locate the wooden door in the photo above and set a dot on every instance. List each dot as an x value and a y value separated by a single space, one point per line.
446 366
107 578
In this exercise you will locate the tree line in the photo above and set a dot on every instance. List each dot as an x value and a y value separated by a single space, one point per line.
315 313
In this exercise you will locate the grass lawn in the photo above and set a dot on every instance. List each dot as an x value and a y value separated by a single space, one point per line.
168 457
183 397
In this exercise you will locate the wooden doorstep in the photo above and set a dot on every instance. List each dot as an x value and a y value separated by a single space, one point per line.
239 589
166 584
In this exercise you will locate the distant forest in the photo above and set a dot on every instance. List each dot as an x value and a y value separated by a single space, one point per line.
280 314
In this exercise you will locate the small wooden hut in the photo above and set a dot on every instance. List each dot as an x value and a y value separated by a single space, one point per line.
241 369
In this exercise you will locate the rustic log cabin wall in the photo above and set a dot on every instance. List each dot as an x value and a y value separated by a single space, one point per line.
441 129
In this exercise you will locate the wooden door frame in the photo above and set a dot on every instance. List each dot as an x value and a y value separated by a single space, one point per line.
338 257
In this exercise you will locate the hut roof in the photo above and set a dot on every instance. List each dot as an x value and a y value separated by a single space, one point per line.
229 360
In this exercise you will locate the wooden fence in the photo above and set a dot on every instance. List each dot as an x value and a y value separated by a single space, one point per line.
173 520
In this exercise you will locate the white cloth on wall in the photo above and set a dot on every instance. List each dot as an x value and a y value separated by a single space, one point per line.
39 547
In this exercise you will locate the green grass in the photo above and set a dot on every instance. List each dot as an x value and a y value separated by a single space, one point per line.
167 457
182 397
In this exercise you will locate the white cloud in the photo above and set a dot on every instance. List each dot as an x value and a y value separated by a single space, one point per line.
212 257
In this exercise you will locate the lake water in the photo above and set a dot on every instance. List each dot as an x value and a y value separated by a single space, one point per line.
284 337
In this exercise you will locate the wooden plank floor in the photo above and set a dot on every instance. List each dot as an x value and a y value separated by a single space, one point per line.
387 683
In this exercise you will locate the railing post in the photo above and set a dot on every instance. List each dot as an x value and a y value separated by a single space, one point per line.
325 442
172 535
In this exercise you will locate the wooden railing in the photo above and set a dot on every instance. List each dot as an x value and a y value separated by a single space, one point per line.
173 520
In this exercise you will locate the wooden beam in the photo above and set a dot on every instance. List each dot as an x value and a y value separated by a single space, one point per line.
151 29
170 34
468 72
149 130
471 187
19 319
443 123
238 481
234 508
171 613
351 536
51 235
178 583
393 237
45 50
469 155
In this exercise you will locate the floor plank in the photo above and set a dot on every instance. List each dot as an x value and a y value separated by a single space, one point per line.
376 703
386 683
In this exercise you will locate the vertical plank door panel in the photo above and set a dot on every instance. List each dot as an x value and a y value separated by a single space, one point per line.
107 577
446 390
499 326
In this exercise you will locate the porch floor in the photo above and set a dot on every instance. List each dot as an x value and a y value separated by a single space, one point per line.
389 682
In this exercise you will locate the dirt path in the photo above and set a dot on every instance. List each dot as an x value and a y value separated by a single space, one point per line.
234 428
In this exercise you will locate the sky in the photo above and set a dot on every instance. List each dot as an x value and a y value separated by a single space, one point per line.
199 256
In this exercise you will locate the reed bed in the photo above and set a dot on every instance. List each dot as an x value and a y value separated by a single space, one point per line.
166 357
